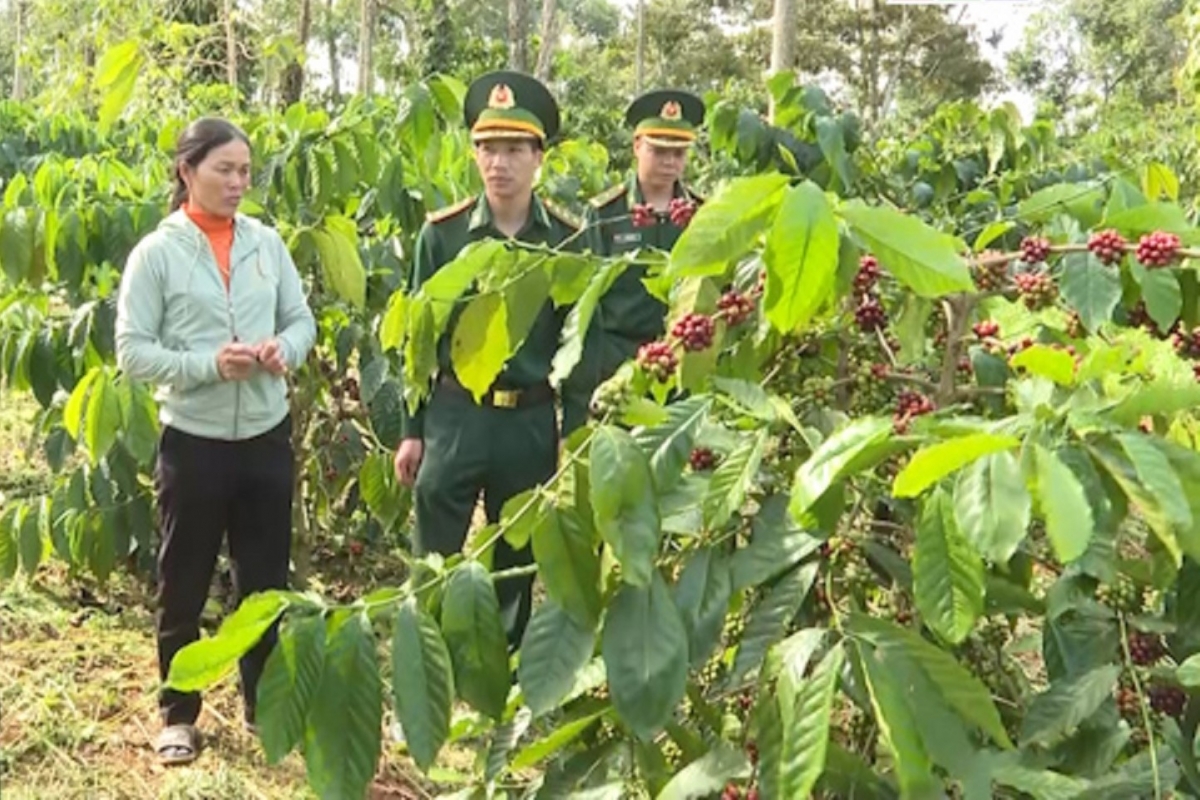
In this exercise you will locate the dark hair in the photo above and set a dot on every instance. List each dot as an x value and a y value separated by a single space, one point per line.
195 143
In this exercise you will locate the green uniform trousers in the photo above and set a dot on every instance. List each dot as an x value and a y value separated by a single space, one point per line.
603 354
500 452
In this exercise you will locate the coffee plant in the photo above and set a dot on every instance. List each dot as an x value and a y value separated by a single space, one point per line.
905 503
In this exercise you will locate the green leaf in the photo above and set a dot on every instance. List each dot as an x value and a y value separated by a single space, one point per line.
806 710
624 502
930 464
140 430
777 544
769 619
645 651
992 506
422 683
921 258
204 662
342 740
726 225
579 319
898 727
1063 504
1047 362
965 693
732 480
1164 298
30 542
18 230
1056 713
289 682
519 515
474 634
559 738
379 489
8 544
1169 217
1091 288
384 414
1159 397
708 774
103 418
669 445
116 76
1074 643
991 233
337 246
553 650
524 300
569 565
947 574
1188 673
1040 784
480 346
1157 477
395 321
831 461
1159 181
801 258
1083 201
702 596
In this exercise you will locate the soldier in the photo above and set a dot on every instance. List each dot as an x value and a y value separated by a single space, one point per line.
649 210
452 447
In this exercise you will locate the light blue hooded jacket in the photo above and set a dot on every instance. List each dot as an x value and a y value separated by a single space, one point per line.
174 314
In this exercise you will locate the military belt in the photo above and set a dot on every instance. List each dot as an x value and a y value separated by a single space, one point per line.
537 394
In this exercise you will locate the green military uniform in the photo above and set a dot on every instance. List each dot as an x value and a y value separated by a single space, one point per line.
509 442
628 316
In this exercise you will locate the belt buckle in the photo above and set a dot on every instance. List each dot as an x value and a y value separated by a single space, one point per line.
506 398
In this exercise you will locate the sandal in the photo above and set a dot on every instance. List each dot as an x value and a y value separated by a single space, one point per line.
178 744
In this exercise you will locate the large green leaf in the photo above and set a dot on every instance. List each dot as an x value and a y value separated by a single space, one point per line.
288 684
898 727
524 300
30 541
379 489
1083 201
702 595
921 258
1149 484
669 444
1040 784
832 460
1156 397
1091 288
1169 217
204 662
8 544
547 746
645 650
992 506
965 693
341 742
422 682
18 229
732 479
139 413
480 346
553 650
1164 298
806 711
726 225
624 502
337 246
768 620
569 564
777 544
103 418
1158 478
947 573
1048 362
930 464
579 319
1077 642
1057 712
395 321
801 258
708 774
474 634
116 76
1063 504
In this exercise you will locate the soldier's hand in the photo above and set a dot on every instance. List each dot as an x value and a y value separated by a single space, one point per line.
408 460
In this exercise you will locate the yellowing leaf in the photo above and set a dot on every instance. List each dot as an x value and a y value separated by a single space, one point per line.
1047 362
931 464
479 347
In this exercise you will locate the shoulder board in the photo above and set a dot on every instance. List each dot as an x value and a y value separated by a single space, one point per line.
608 195
699 198
449 211
562 214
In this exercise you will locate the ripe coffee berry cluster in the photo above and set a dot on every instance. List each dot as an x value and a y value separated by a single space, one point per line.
701 459
1107 245
1127 703
1035 249
990 276
869 315
867 275
1037 289
732 792
1168 700
986 329
695 331
681 210
736 307
658 360
910 404
1187 343
1158 249
642 215
1145 648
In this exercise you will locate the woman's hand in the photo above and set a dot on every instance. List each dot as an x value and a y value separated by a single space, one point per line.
270 355
236 361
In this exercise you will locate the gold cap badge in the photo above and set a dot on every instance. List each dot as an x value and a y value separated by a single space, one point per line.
501 97
671 110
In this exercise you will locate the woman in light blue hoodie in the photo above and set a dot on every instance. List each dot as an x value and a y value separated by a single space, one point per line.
211 310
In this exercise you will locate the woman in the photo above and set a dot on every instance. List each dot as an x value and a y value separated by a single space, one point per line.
211 309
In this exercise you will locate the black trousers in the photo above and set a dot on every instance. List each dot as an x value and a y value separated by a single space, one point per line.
208 488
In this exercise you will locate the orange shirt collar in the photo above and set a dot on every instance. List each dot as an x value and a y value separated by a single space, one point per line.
209 223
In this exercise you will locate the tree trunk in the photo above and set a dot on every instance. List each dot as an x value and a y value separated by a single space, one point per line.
293 75
18 88
335 72
549 40
231 65
640 80
366 47
783 42
518 41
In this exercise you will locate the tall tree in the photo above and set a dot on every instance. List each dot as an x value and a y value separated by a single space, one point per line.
293 76
783 39
366 47
549 40
518 35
